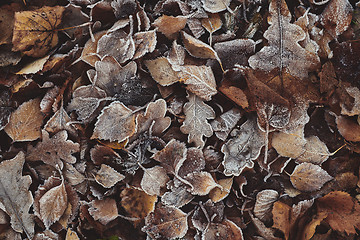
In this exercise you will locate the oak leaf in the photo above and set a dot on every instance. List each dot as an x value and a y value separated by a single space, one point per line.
104 210
309 177
343 212
284 51
21 126
53 150
167 222
196 115
115 123
107 176
15 196
35 32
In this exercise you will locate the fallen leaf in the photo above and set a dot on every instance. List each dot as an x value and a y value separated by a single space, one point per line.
225 230
178 196
120 118
223 124
145 42
60 121
53 150
343 212
104 210
123 8
72 175
218 194
215 6
167 222
201 183
137 203
89 54
194 162
15 196
316 151
195 124
107 176
282 215
308 177
242 148
176 56
212 23
206 213
284 51
348 128
264 204
172 156
35 32
200 80
169 25
161 71
35 66
71 235
289 144
153 180
21 127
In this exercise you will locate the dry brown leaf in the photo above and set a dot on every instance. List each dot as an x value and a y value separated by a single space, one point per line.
284 51
215 6
195 162
137 203
52 205
153 180
200 80
178 196
176 56
310 228
264 203
161 71
72 175
212 23
35 66
218 194
281 216
71 235
289 144
172 156
226 230
60 121
309 177
348 128
6 23
196 115
104 210
169 25
145 42
15 197
53 150
244 147
107 176
88 54
316 151
201 183
166 222
223 124
25 123
115 123
206 213
35 31
343 211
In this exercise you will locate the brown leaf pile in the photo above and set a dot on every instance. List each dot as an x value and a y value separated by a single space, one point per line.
179 119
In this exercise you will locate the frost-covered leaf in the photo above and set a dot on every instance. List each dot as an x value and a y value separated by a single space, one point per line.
15 196
145 42
115 123
178 196
223 124
59 121
200 80
153 180
53 150
195 125
244 147
226 230
166 222
169 25
218 194
123 8
137 203
284 51
161 71
195 162
316 151
172 156
21 126
104 210
290 144
264 203
201 183
206 213
215 6
107 176
309 177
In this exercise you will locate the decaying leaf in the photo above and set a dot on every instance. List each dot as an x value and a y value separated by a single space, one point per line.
206 213
167 222
200 80
21 127
15 196
223 124
214 6
218 194
59 121
119 118
195 124
71 235
137 203
145 42
194 162
343 212
244 147
201 183
35 31
161 71
107 176
348 128
53 150
264 202
309 177
315 152
178 196
225 230
169 25
290 144
284 51
104 210
153 180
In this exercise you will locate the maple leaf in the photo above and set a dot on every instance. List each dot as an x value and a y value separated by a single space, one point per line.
53 150
15 195
195 124
35 31
284 51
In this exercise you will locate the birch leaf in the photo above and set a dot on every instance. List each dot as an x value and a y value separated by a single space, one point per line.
195 124
107 176
199 80
161 71
169 25
215 6
284 51
15 195
104 210
223 124
153 180
201 183
145 42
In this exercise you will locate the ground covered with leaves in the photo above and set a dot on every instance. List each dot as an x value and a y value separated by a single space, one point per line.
179 119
